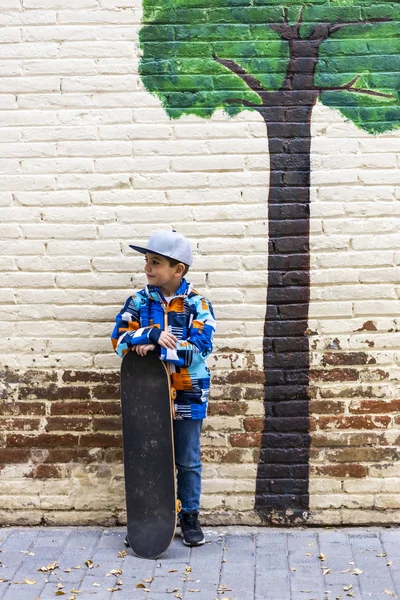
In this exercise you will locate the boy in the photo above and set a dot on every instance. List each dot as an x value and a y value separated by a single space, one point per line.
185 347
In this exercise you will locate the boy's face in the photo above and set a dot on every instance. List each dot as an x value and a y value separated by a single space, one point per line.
159 272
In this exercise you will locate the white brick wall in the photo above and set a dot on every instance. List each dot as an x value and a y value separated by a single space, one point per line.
89 162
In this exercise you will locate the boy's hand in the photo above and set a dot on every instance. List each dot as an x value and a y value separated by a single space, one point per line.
143 349
167 340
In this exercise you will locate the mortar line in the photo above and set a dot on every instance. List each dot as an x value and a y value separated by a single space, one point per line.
324 580
288 564
390 571
358 579
184 586
254 564
222 557
55 560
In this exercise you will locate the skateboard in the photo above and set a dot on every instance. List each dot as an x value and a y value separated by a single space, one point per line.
149 458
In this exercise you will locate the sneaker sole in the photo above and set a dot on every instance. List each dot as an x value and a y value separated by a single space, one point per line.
203 541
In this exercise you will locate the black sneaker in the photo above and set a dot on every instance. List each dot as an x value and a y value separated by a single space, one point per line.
191 530
126 541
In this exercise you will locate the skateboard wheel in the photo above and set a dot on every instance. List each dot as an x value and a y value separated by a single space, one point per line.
178 506
173 393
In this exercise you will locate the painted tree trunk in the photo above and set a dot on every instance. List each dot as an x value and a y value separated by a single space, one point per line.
283 470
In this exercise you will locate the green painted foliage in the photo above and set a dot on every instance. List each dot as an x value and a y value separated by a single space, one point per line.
181 39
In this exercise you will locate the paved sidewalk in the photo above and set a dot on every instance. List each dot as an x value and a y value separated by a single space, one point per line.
236 563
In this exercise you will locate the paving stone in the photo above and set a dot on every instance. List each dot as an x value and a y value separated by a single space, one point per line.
20 594
257 564
19 539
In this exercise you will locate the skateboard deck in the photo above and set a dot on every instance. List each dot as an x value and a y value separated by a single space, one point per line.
149 460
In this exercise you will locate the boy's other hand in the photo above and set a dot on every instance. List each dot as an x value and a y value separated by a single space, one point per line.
167 340
143 349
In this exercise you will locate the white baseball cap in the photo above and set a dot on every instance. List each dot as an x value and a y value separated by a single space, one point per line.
169 244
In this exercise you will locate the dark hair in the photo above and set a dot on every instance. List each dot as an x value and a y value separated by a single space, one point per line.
173 263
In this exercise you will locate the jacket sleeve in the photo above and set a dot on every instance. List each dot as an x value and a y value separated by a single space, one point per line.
200 340
127 331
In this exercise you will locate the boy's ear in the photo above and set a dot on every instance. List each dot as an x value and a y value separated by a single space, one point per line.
180 268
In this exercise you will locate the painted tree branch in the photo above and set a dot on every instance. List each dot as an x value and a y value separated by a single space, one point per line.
284 30
287 31
322 31
251 81
348 87
296 27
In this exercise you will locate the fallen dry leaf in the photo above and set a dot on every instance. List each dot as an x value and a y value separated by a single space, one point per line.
389 564
356 572
60 593
322 556
309 554
27 552
223 588
114 589
172 570
194 590
29 581
172 591
147 580
306 591
96 584
89 563
69 570
389 593
116 572
347 587
178 596
76 591
383 554
50 567
350 594
121 554
188 569
325 570
292 568
60 586
140 585
345 571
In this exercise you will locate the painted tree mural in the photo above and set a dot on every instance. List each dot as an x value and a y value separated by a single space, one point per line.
278 58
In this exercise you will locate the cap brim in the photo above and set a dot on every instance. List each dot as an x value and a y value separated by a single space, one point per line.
139 249
145 250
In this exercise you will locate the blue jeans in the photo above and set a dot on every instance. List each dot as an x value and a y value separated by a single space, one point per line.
187 462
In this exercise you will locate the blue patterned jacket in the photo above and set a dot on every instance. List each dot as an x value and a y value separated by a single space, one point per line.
191 319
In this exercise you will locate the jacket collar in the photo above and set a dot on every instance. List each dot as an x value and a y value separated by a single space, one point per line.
154 293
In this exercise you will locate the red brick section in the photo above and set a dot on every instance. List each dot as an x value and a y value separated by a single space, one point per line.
349 422
50 420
